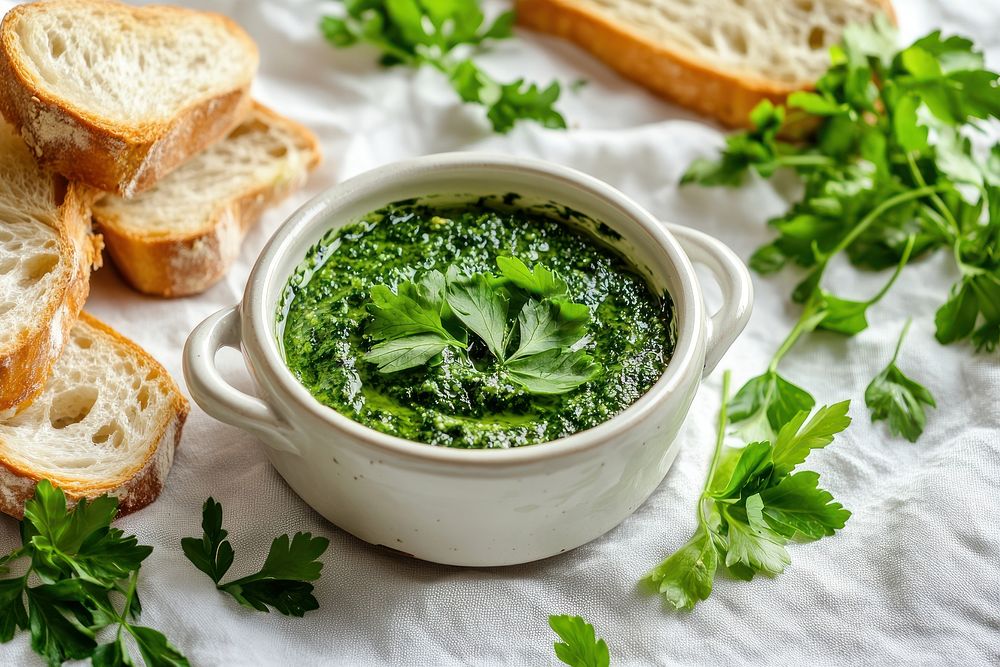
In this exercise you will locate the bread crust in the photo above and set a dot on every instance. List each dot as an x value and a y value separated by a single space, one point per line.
189 263
673 73
135 488
24 369
125 159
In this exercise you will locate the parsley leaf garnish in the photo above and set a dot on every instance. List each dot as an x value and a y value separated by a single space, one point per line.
580 646
410 323
889 175
282 582
482 309
85 570
538 281
894 397
442 34
554 371
401 353
533 344
753 503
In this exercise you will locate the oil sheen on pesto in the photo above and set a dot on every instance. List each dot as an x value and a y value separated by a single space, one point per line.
459 402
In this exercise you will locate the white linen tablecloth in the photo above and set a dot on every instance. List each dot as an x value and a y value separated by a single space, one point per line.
914 578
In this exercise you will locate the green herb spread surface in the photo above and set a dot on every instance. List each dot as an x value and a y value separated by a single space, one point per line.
475 326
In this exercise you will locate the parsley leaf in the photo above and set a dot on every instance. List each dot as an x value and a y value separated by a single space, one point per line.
685 578
974 299
767 402
751 543
282 582
411 323
539 282
416 308
441 34
441 311
401 353
554 371
482 309
155 648
757 148
796 506
212 554
549 325
54 615
580 646
82 565
795 441
13 614
752 505
894 397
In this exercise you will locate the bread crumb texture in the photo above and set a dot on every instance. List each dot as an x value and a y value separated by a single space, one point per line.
32 264
100 421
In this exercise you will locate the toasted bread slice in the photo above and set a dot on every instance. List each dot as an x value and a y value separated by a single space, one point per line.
718 57
117 96
46 254
181 237
108 421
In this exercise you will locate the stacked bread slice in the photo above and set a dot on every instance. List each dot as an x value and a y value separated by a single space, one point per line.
46 254
183 234
142 119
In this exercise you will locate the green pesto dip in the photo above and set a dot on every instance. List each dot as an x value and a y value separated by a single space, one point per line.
460 400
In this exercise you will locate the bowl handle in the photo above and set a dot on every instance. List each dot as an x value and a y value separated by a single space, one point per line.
734 280
219 398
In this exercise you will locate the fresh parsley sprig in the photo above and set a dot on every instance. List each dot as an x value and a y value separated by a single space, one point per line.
580 646
440 33
898 399
282 582
889 175
755 499
523 317
80 572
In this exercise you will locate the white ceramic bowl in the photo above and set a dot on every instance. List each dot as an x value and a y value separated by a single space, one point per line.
461 506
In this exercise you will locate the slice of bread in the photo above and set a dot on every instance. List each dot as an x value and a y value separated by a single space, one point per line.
118 96
108 421
46 254
182 236
717 57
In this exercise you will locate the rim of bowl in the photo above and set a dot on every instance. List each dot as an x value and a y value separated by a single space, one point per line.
265 356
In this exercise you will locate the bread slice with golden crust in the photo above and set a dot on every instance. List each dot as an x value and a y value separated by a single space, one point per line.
182 236
717 57
118 96
107 422
46 254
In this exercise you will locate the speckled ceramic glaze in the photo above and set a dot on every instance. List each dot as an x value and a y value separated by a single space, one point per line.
476 507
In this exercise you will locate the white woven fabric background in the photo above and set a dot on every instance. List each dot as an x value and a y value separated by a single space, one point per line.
914 578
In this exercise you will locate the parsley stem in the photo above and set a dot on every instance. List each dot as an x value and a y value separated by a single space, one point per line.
902 336
904 258
938 203
717 454
805 160
130 595
874 214
14 555
800 328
